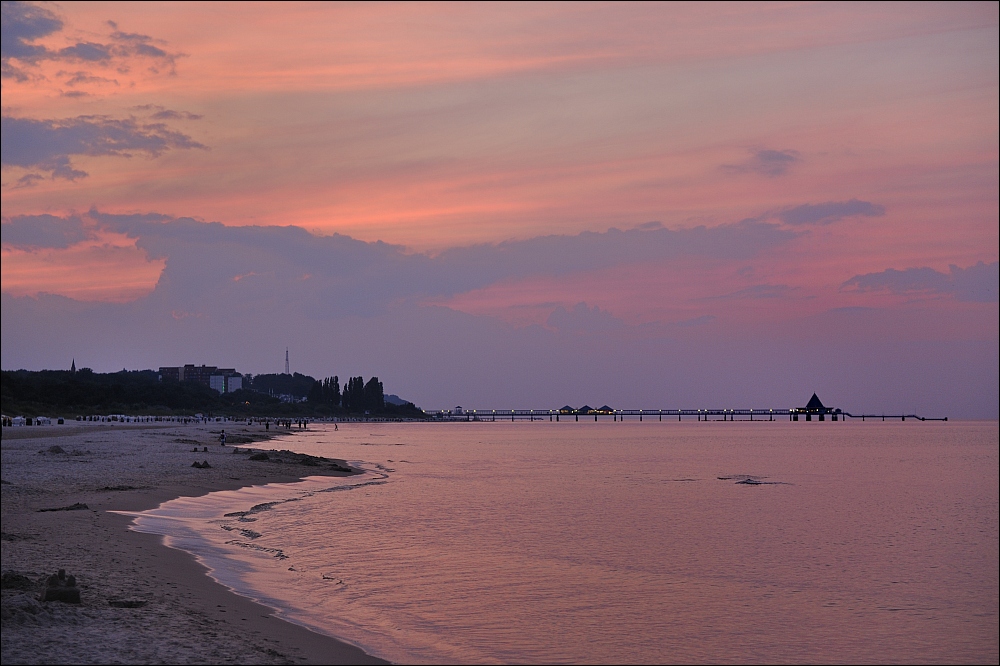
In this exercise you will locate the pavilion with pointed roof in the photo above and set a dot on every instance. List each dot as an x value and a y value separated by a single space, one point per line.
815 407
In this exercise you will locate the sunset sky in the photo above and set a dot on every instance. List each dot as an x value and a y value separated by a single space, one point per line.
513 205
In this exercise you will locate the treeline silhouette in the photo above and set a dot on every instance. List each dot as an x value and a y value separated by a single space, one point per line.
296 385
358 396
65 393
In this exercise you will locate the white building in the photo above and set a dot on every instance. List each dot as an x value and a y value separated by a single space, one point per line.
226 383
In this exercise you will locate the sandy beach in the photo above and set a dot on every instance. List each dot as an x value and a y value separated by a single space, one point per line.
141 602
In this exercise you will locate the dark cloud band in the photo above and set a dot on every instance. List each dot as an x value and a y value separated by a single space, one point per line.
979 283
831 211
32 232
48 145
340 275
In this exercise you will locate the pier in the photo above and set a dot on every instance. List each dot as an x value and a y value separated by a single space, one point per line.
814 410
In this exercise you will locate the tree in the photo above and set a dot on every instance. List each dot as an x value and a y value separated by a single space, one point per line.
296 384
331 391
315 396
353 398
374 397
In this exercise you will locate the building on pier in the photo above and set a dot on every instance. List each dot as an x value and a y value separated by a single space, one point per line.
586 410
815 407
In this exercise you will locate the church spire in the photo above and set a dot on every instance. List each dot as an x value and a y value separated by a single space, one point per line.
72 368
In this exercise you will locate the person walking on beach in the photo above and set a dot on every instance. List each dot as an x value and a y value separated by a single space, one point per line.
222 438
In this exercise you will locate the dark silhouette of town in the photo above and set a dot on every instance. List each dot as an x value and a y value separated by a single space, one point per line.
74 392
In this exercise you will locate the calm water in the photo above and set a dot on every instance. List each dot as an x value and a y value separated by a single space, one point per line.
609 542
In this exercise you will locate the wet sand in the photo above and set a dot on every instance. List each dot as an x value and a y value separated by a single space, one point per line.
141 602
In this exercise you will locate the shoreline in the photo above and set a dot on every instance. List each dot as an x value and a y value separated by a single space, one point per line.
142 601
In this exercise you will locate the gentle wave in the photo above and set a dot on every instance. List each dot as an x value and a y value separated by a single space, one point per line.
628 542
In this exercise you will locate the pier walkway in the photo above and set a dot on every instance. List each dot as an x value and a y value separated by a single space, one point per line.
794 414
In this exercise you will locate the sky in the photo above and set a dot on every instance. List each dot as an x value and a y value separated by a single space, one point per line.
676 205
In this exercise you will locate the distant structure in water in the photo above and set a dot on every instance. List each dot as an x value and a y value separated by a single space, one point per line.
813 408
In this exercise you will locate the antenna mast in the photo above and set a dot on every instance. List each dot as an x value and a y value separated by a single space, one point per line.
286 362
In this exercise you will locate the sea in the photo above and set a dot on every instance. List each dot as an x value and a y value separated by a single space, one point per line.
649 542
